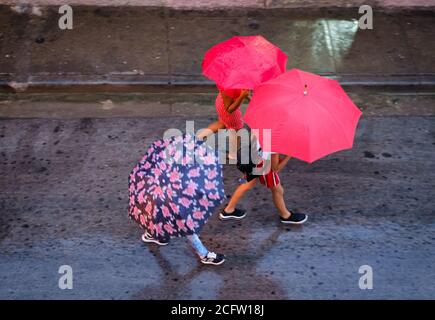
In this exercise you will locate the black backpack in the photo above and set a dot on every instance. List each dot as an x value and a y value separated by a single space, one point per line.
247 168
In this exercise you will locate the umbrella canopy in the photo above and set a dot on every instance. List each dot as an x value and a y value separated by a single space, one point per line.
309 116
175 188
243 62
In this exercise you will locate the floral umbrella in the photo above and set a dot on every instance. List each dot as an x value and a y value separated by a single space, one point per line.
175 188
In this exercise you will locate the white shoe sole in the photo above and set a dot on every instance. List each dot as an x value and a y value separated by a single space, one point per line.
293 222
222 217
147 240
213 263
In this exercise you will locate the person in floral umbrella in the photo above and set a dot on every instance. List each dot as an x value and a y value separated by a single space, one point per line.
174 189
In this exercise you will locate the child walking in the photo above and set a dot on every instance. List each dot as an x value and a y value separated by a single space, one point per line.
266 172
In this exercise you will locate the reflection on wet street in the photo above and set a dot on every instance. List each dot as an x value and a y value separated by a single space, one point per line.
167 46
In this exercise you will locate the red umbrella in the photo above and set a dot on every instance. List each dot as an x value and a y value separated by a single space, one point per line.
309 116
243 62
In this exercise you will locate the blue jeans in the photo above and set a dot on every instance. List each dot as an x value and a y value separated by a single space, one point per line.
196 243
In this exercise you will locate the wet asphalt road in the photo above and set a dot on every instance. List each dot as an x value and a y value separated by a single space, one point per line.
63 201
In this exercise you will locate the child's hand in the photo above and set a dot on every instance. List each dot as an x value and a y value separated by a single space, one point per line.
278 163
245 93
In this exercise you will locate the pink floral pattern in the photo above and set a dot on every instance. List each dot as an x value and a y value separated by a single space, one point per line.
171 194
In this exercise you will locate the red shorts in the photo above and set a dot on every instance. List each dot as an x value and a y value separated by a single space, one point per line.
270 179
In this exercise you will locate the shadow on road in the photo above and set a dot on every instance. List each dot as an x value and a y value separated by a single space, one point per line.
231 286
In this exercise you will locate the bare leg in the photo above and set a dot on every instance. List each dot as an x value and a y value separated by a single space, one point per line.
212 128
238 194
233 145
278 200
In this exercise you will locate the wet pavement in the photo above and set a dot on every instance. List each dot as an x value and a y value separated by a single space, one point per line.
166 46
63 201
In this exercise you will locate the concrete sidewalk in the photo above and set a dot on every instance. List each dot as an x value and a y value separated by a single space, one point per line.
128 46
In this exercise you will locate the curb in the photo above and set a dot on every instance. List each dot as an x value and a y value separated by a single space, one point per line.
135 84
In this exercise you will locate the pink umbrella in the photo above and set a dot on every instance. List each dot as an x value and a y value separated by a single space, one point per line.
243 62
309 116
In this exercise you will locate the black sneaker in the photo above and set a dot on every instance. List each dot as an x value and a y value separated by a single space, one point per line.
213 258
236 214
295 218
146 237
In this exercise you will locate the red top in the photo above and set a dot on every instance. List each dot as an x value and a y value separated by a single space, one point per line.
232 93
231 120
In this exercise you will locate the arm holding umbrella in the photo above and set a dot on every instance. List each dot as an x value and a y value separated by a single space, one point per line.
232 105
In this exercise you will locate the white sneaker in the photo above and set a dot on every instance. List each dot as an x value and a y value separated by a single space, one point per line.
146 237
213 258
